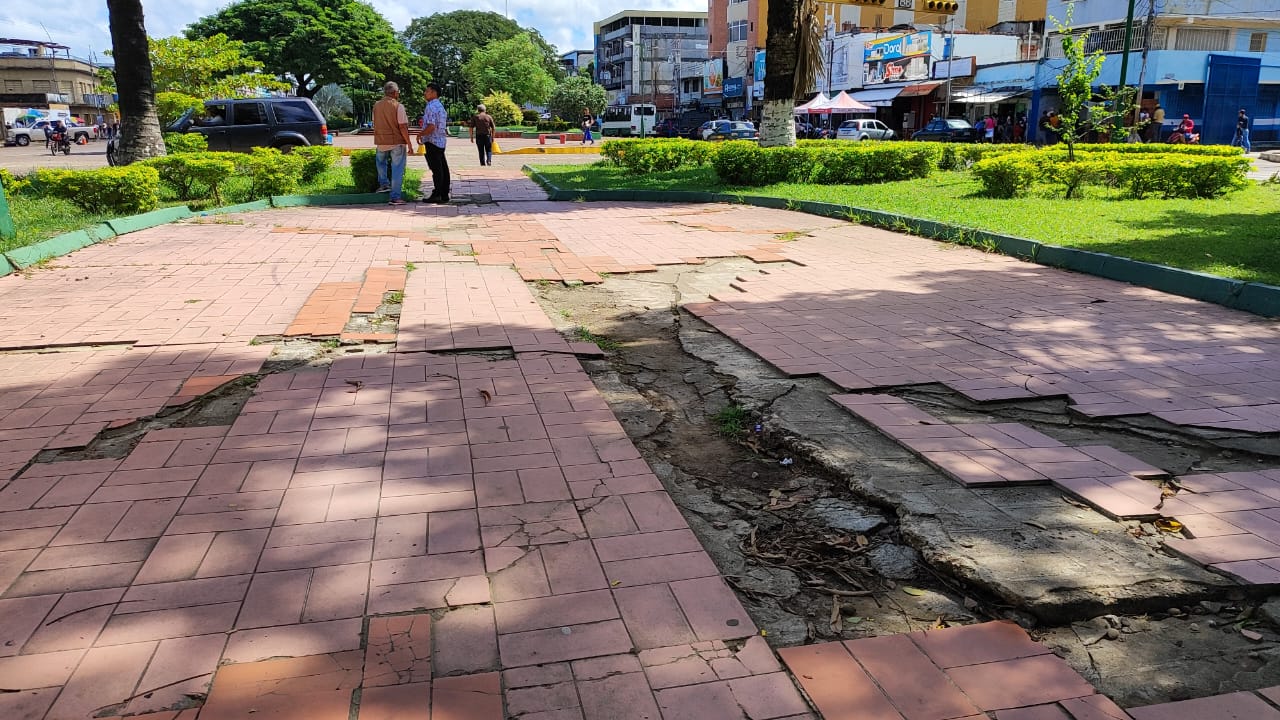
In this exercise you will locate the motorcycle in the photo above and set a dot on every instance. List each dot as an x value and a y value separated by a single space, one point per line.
59 141
1183 138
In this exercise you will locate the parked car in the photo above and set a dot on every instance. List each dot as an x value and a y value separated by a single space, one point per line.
949 130
23 136
727 130
864 130
240 125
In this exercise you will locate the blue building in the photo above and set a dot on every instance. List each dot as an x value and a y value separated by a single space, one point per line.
1203 58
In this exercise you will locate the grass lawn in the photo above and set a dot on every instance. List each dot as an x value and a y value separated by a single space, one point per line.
1235 236
38 218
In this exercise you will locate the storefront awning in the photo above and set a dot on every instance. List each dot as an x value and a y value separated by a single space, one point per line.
919 89
983 96
879 97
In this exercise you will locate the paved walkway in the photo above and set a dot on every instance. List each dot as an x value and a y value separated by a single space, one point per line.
434 533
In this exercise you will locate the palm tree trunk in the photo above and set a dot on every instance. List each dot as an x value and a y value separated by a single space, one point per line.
782 54
140 136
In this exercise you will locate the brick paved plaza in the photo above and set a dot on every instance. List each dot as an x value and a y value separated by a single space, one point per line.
458 526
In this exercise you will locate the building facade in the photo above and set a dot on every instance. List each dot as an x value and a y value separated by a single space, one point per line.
576 62
38 75
644 56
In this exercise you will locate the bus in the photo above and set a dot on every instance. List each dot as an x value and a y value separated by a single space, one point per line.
628 120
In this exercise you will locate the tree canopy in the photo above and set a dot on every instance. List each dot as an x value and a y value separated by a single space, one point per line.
317 42
513 65
448 41
575 93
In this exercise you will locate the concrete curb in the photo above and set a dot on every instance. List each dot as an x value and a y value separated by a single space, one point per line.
134 223
1251 297
282 201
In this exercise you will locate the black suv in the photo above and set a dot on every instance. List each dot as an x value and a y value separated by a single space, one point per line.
239 125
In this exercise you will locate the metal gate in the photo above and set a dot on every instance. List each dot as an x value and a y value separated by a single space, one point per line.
1232 84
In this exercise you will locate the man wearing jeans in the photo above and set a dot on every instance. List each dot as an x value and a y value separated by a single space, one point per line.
432 138
391 136
1242 131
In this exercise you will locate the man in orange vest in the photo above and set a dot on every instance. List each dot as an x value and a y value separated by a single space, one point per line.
391 136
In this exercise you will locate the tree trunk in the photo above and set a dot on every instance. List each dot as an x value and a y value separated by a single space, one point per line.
782 53
140 136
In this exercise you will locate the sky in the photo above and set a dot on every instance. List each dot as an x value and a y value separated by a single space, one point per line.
82 24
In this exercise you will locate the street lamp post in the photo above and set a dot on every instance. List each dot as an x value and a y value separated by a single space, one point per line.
949 54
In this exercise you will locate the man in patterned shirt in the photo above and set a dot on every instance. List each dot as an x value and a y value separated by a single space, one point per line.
432 138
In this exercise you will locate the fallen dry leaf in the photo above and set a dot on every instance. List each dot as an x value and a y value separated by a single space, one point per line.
912 591
487 397
1251 634
863 541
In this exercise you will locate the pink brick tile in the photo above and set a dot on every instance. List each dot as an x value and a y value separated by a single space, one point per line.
537 675
555 645
573 567
916 686
293 640
91 523
654 512
337 592
315 555
104 677
768 696
624 696
221 521
20 618
426 503
653 617
1249 571
452 531
666 568
676 665
399 651
233 553
400 536
630 547
465 641
607 517
94 577
1224 549
1051 711
974 644
70 556
1093 707
836 684
39 670
712 609
1019 683
709 701
274 598
163 624
27 703
183 593
546 701
145 519
74 623
411 701
469 696
321 532
1231 706
175 557
181 667
558 611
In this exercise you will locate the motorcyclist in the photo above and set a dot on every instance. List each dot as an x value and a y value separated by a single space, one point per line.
1188 128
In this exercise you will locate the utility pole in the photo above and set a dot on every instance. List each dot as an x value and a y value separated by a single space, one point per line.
1124 63
1148 31
949 53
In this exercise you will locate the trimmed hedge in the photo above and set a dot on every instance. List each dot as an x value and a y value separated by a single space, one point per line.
743 162
364 170
12 184
274 172
316 160
1137 175
194 175
185 143
657 155
115 190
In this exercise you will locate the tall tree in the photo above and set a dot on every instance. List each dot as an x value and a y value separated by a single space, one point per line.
575 93
513 65
316 42
793 57
1080 70
139 128
216 66
448 40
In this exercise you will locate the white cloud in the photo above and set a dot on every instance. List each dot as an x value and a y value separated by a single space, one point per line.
564 23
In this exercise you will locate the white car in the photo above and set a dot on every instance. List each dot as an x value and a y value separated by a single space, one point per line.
864 130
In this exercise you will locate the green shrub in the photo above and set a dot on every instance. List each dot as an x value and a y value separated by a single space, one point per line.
316 160
171 105
501 108
110 190
185 143
658 154
274 172
12 184
1156 148
1189 176
1007 176
738 161
364 170
555 126
194 175
742 162
529 117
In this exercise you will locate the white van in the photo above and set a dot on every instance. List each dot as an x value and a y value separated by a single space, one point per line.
629 120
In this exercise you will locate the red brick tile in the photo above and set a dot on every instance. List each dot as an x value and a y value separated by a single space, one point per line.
1231 706
768 696
38 670
94 577
465 641
105 677
974 644
712 609
556 700
74 623
452 531
916 686
233 553
653 616
573 567
624 696
1038 712
476 697
666 568
145 519
316 687
399 651
396 702
183 593
558 611
556 645
654 512
836 684
1019 683
70 556
1093 707
175 557
163 624
708 701
27 703
629 547
337 592
91 523
181 668
293 640
20 618
274 598
315 555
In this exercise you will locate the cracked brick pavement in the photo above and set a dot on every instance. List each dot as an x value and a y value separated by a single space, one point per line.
416 534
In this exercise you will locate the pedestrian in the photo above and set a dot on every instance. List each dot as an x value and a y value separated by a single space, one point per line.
1055 128
391 138
587 122
482 129
432 138
1157 123
1144 123
1242 131
989 125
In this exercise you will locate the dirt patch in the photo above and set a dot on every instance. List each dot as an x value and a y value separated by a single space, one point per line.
829 530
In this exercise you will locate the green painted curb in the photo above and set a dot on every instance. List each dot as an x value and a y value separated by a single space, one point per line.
1259 299
263 204
5 267
100 232
134 223
1187 283
322 200
24 257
